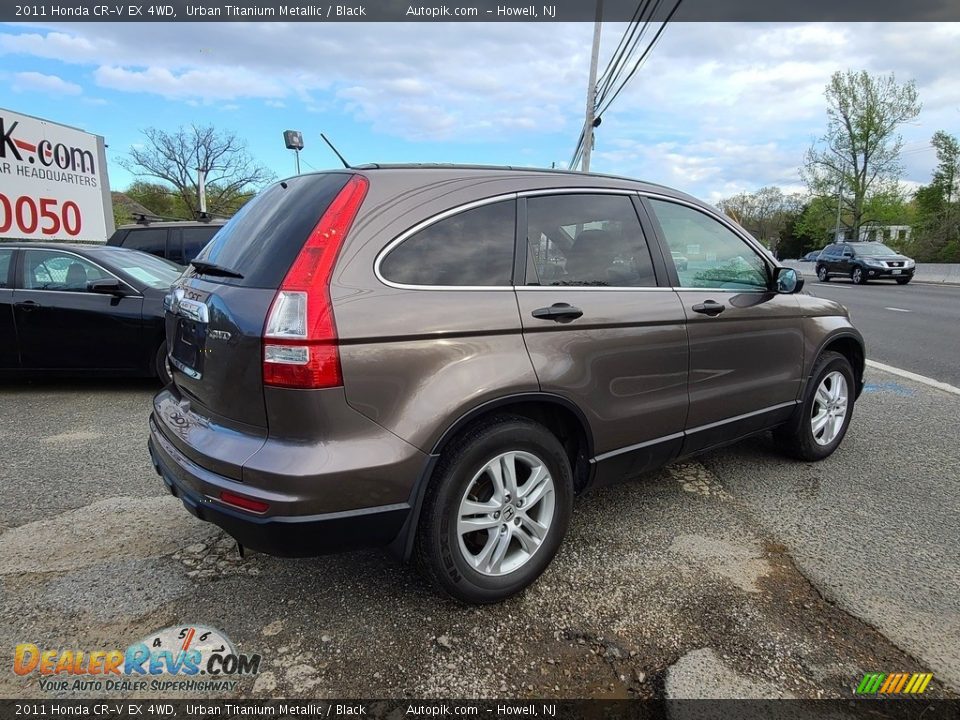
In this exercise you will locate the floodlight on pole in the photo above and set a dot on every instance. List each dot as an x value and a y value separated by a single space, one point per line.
293 139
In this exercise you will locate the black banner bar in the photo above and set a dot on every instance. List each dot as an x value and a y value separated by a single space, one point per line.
475 11
418 709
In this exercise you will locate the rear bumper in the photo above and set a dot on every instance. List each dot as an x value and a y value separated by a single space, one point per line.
284 535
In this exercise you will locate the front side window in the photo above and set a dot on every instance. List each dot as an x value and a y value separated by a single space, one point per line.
52 270
716 256
473 248
591 240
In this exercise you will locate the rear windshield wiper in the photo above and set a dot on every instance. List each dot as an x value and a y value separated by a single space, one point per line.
209 268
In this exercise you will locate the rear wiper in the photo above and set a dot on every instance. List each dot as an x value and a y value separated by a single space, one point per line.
209 268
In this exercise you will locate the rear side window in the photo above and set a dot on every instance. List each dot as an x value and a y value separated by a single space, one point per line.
473 248
587 240
149 240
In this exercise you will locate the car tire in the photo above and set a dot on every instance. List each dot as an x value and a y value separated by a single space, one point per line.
800 437
161 365
902 281
822 274
858 276
465 565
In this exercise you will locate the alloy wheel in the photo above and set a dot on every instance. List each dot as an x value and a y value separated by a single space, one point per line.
506 513
829 408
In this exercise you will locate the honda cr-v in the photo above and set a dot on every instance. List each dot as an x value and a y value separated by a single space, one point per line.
440 359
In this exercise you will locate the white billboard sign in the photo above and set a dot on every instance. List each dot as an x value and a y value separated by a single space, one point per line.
53 181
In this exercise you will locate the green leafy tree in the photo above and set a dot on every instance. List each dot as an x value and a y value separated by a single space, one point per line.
859 156
937 231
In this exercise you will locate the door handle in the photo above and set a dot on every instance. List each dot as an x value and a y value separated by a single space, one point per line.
27 305
710 307
558 312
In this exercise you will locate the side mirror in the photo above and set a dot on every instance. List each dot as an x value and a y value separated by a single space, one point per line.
788 281
107 286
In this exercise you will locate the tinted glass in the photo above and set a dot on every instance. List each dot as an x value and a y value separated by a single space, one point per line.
150 240
472 248
194 238
716 256
873 249
830 251
5 257
589 240
142 268
263 239
53 270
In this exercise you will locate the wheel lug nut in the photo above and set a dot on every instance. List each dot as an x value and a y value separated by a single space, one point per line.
496 515
503 529
516 521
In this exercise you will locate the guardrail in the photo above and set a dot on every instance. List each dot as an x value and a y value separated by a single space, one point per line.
939 273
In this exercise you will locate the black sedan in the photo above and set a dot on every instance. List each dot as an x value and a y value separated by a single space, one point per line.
82 309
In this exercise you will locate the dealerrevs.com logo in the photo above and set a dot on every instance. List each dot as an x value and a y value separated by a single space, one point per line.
178 658
48 154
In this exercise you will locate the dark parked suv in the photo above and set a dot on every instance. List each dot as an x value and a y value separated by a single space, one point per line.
178 241
439 359
864 261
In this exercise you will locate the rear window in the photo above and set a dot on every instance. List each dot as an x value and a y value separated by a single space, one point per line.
263 239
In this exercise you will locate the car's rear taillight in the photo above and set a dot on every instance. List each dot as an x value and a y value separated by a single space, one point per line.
300 336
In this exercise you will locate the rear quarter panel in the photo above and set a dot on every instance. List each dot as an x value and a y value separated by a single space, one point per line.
415 361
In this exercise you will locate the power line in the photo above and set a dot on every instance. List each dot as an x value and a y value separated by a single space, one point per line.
646 53
611 83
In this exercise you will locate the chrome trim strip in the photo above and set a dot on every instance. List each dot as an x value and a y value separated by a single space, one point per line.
638 446
691 431
188 371
595 288
761 411
194 310
585 190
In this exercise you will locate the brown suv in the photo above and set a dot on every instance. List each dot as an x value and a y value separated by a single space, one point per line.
439 359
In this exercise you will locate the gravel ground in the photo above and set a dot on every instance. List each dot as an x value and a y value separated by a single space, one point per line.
739 574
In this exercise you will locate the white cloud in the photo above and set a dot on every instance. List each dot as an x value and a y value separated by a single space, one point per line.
717 108
34 82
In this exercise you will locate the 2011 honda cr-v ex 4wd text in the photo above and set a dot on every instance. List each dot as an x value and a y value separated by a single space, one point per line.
439 359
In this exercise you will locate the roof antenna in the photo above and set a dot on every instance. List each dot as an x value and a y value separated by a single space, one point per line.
336 152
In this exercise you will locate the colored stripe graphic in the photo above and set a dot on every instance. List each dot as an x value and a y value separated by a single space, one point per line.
894 683
870 683
25 146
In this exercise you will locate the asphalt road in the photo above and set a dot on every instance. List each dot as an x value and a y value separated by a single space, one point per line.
914 327
741 573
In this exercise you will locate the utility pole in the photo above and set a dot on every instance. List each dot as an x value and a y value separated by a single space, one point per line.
591 91
836 232
202 189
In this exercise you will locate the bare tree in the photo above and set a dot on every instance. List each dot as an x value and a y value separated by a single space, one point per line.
859 156
763 213
176 158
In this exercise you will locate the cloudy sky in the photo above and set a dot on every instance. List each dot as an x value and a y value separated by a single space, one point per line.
718 108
